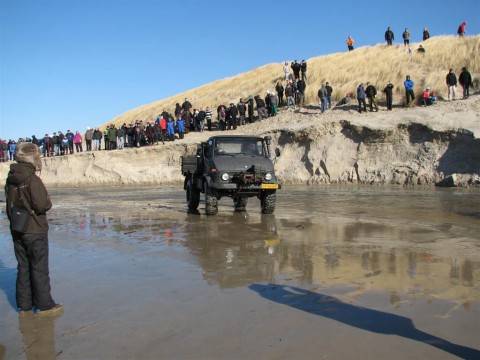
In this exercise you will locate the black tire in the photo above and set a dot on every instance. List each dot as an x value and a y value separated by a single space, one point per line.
211 202
267 201
193 196
240 203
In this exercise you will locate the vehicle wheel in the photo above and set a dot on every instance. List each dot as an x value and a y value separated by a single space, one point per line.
267 200
240 203
211 202
193 196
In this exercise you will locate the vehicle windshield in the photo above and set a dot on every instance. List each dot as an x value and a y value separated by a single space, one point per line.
239 146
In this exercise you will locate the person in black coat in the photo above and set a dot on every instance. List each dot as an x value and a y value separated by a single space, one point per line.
426 34
250 109
465 79
232 118
389 36
303 69
451 81
280 90
389 95
296 69
371 92
25 190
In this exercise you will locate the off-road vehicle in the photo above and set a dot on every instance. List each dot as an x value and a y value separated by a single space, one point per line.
235 166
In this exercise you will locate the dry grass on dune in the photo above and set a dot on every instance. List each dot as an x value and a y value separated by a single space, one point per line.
377 64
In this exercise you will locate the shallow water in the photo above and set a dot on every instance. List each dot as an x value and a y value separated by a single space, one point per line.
140 277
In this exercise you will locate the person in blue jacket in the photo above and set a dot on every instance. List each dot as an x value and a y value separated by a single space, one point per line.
410 95
361 95
171 129
180 127
12 148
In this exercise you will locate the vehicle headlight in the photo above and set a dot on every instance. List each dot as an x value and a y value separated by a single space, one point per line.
225 177
268 177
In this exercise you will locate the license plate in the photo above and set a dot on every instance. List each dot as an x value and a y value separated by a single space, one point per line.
269 186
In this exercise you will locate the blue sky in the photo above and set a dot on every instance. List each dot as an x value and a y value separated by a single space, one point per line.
69 64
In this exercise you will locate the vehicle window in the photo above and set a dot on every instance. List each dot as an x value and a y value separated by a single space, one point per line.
239 147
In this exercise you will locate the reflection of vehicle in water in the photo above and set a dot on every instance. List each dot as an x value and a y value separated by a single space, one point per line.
231 166
235 250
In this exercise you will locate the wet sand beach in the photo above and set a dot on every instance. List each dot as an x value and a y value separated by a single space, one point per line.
338 272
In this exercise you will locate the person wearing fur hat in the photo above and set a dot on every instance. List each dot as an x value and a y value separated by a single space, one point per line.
25 190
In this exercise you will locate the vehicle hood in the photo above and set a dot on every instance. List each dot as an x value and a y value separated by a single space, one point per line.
237 163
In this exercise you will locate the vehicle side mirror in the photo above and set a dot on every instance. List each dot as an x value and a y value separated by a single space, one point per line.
207 150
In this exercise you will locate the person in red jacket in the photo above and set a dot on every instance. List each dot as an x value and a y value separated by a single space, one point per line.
461 29
163 126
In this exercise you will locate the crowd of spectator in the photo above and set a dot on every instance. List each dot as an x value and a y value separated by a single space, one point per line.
289 93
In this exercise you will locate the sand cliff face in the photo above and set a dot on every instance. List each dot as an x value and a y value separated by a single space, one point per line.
420 146
409 154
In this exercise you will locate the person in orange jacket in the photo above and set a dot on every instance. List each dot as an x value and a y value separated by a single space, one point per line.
350 43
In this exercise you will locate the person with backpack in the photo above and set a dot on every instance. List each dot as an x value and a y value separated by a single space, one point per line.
24 190
461 29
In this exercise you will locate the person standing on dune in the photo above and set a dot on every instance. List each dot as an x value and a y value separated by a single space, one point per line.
409 94
461 29
389 36
389 95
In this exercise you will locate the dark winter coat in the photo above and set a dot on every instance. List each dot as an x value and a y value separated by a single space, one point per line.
371 91
33 193
389 35
465 79
388 90
451 79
